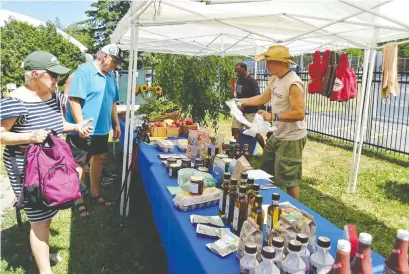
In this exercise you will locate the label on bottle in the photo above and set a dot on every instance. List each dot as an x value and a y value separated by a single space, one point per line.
221 202
194 188
268 225
387 270
359 255
321 270
244 270
338 265
397 251
226 209
236 218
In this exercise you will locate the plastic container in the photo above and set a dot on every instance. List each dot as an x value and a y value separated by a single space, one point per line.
249 261
293 264
186 201
278 244
267 265
321 261
165 145
182 144
304 253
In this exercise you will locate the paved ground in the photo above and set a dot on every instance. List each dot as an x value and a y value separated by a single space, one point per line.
6 193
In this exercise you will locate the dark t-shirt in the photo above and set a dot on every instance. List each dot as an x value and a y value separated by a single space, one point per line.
246 88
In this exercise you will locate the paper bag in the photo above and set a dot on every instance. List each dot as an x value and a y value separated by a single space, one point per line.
241 165
250 233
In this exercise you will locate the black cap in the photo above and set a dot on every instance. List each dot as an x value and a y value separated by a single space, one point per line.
259 198
242 189
277 242
226 175
324 242
244 175
275 197
302 238
233 181
251 248
268 252
198 160
186 161
256 187
250 181
294 246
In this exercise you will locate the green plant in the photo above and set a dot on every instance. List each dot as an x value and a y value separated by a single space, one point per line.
157 106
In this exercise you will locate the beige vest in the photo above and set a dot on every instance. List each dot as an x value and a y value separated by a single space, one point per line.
280 97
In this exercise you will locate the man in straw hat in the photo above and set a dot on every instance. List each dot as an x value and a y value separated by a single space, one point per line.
282 155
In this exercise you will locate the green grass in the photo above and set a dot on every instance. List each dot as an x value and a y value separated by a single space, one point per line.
380 207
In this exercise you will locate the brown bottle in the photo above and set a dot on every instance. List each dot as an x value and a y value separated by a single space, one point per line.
240 211
361 263
257 213
246 152
250 183
222 201
243 178
398 260
231 201
237 152
252 197
341 265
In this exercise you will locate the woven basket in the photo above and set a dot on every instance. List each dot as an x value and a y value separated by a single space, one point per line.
174 115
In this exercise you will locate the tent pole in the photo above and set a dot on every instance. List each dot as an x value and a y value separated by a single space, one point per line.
132 122
358 124
126 136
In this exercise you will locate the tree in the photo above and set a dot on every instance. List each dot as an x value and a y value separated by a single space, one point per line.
104 19
200 85
18 39
81 32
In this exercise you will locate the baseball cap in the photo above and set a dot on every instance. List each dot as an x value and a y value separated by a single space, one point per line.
113 50
42 60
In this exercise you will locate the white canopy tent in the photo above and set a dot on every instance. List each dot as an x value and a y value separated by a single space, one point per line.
6 15
248 27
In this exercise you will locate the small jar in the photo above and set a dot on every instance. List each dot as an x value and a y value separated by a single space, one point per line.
173 171
203 169
170 161
196 185
198 163
186 163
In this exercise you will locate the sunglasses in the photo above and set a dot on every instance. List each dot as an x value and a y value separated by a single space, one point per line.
53 74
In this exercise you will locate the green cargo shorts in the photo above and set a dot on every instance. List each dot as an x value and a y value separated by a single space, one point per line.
283 159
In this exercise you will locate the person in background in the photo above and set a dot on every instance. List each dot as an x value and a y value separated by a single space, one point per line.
246 87
27 116
93 95
84 58
282 156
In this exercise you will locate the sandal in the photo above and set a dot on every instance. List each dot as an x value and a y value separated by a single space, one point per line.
81 210
101 201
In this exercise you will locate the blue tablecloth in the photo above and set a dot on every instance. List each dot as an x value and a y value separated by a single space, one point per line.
186 252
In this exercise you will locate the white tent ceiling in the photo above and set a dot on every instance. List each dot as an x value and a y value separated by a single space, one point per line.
247 28
6 15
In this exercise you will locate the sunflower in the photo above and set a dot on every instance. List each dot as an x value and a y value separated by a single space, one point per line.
137 89
144 88
158 90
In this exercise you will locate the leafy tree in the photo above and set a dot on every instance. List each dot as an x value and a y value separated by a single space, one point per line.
81 32
18 39
200 85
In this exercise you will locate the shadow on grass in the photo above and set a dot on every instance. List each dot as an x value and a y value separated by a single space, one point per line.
99 245
341 214
396 191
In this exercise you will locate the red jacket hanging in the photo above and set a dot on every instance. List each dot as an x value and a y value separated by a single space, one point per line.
316 71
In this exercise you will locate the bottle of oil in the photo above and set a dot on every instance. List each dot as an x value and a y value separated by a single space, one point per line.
231 201
252 197
208 159
250 183
243 178
237 152
240 210
273 215
257 212
222 201
246 152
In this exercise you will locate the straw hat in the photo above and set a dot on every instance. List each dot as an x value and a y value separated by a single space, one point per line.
276 53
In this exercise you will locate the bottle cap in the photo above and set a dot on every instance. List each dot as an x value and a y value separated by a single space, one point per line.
324 242
198 160
365 238
268 252
275 196
232 140
344 246
302 238
251 248
227 176
277 242
244 175
233 181
256 187
403 235
242 189
250 181
294 246
259 198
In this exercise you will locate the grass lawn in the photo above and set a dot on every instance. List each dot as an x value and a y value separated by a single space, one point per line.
380 207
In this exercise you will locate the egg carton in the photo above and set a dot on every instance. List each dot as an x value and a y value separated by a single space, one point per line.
186 201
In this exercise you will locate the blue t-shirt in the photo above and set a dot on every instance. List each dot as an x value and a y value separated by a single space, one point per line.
98 93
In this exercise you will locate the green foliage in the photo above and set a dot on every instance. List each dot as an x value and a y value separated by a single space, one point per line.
81 32
18 39
200 85
157 106
355 52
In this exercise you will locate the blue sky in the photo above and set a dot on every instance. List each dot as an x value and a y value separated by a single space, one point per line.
67 11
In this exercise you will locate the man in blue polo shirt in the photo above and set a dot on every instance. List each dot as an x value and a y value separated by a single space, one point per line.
93 95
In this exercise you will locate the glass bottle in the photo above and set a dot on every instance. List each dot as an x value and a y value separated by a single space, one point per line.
304 253
398 260
243 178
361 263
250 183
321 261
273 215
342 265
249 261
293 264
257 212
231 201
246 152
222 201
208 159
237 152
252 197
267 265
240 211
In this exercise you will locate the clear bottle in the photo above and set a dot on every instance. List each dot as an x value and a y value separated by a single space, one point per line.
257 213
267 265
243 178
342 265
278 244
304 253
362 262
240 211
293 264
222 201
273 215
321 261
252 196
249 261
398 260
231 201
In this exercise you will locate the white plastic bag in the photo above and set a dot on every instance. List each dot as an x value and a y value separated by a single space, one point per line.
236 113
258 126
